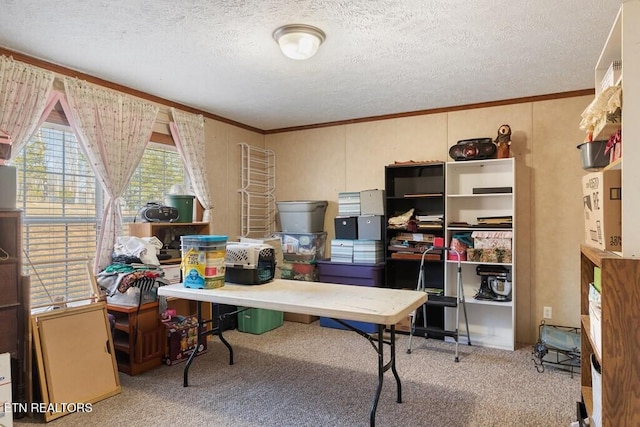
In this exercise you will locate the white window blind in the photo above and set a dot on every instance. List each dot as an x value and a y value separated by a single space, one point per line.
58 194
160 168
62 204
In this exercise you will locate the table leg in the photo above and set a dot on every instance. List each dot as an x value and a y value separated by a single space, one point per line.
199 333
393 362
216 314
185 372
376 397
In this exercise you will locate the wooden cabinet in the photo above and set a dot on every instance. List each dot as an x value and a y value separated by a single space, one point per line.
13 297
620 330
421 187
138 337
480 194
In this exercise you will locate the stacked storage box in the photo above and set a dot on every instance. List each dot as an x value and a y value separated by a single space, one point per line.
342 250
351 274
300 252
371 227
302 242
367 251
346 227
372 202
349 203
359 238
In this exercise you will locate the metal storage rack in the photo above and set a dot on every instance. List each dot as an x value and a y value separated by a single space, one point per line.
258 212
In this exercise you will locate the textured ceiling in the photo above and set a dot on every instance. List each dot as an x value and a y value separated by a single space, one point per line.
380 56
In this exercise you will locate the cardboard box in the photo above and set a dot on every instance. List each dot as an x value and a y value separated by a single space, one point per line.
182 340
404 325
602 199
171 273
300 318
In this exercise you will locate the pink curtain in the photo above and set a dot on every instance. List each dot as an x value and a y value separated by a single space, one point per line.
187 131
114 130
24 91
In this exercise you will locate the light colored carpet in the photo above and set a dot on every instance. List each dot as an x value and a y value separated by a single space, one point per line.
307 375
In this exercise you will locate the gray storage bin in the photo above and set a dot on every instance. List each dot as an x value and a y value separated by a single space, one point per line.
302 216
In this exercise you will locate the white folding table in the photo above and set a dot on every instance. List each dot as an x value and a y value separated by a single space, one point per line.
382 306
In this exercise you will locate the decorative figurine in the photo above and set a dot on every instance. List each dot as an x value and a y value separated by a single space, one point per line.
503 141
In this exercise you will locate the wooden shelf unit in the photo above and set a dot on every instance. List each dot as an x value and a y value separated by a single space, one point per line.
13 298
491 323
620 326
168 231
165 232
421 187
138 337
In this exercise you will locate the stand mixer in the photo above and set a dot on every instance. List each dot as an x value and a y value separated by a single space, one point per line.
495 283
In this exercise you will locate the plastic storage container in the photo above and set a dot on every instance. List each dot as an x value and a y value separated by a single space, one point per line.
351 274
258 320
593 156
302 247
302 216
203 261
184 204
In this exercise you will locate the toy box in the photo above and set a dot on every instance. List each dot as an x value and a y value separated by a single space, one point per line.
182 339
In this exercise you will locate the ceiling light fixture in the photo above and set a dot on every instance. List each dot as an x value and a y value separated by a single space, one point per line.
299 41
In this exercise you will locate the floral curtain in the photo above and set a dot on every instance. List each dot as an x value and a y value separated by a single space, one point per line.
24 91
188 134
114 130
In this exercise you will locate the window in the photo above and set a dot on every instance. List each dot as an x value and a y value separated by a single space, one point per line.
62 203
59 196
161 167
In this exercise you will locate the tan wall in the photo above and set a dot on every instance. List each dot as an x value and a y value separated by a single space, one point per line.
224 159
317 164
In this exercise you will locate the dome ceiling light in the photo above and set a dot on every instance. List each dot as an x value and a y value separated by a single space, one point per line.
299 41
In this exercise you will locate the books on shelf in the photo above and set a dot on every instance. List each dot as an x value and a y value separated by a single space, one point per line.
495 220
486 222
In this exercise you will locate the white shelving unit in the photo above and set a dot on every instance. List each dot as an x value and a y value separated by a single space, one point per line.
258 212
618 351
623 44
491 323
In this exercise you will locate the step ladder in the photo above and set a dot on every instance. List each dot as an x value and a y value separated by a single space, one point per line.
445 301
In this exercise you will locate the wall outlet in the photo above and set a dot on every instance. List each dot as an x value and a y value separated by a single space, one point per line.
546 312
